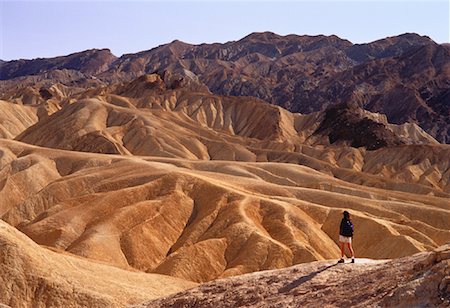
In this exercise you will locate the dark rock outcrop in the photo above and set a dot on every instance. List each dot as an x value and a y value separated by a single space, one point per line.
347 123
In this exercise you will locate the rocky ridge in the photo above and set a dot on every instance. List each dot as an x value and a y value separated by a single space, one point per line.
421 280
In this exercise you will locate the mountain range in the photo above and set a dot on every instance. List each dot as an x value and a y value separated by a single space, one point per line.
406 77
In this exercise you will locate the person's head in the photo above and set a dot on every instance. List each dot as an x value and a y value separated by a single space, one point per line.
346 215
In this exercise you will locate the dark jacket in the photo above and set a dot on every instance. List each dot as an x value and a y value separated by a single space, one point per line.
346 228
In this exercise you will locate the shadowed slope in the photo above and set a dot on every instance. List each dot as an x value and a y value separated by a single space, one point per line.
92 61
413 87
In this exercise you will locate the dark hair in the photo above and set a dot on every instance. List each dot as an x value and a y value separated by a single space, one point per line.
346 215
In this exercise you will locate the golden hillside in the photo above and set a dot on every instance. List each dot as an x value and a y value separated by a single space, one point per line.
33 276
200 220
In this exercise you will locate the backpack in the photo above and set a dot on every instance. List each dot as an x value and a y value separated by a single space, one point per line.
346 228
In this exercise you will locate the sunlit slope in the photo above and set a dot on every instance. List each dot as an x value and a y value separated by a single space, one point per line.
14 119
33 276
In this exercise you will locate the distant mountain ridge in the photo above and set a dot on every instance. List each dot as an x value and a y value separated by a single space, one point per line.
91 62
406 77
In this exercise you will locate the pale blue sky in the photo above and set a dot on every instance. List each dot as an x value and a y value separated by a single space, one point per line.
31 29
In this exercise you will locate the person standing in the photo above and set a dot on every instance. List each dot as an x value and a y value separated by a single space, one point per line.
345 236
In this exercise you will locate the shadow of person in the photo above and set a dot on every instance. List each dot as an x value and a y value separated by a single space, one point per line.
303 279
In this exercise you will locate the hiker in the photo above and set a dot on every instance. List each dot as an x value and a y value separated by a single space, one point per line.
345 236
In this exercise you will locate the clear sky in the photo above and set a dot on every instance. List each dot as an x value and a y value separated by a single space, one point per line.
31 29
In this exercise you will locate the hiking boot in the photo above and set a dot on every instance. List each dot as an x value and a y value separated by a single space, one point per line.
341 261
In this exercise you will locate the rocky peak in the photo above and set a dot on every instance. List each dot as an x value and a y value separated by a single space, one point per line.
261 36
141 85
347 123
157 83
387 47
